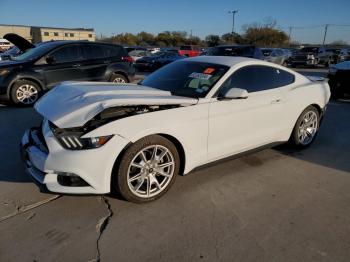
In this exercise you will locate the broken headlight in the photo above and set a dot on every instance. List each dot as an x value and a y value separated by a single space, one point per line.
72 138
74 142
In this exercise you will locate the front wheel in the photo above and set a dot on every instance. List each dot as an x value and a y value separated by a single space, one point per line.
24 93
147 169
306 127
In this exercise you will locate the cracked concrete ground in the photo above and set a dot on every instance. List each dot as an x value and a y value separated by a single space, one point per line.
274 205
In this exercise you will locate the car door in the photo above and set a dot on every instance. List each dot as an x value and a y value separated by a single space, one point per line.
62 64
238 125
95 62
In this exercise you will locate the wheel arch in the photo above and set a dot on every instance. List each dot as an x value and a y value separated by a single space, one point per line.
28 78
179 147
119 72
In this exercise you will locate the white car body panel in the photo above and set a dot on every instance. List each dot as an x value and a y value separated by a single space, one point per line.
207 128
81 101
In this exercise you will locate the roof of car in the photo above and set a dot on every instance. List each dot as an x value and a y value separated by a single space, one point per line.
221 60
65 42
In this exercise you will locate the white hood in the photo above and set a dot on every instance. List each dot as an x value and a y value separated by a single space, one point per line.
72 104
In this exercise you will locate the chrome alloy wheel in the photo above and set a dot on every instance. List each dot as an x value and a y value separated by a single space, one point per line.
150 171
27 94
308 128
119 80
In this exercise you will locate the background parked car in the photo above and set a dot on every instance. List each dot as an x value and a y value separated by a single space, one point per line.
236 50
310 56
19 46
275 55
339 79
23 79
4 44
338 54
189 50
137 54
132 48
157 60
153 49
170 49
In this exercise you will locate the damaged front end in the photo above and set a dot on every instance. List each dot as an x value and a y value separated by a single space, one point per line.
72 138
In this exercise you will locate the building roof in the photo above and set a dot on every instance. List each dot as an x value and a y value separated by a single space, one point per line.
48 27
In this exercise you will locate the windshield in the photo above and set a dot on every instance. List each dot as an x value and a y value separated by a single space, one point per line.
183 78
12 51
34 53
232 51
309 50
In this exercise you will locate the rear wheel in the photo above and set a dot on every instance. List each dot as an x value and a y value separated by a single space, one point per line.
306 127
24 93
147 169
118 78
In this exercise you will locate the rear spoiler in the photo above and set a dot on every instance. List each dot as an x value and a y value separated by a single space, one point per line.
316 78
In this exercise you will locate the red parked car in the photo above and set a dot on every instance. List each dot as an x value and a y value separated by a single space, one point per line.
189 50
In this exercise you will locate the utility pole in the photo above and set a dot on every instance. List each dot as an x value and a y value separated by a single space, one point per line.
325 33
290 32
233 12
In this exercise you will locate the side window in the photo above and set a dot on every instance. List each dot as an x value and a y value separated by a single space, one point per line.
257 78
93 51
66 54
112 51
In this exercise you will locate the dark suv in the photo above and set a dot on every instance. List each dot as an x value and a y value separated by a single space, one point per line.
26 77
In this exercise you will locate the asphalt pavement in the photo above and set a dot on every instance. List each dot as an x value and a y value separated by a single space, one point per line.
274 205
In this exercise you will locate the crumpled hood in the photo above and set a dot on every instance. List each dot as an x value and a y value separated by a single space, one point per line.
72 104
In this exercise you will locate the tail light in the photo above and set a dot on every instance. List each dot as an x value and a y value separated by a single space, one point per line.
128 59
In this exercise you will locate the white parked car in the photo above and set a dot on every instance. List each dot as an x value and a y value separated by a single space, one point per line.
136 139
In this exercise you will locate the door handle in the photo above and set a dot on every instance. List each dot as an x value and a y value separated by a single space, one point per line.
276 101
107 61
76 65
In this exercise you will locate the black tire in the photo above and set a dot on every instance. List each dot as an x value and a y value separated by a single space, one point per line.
119 78
294 139
120 175
15 93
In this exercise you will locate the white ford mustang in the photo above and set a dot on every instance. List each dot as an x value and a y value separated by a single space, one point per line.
135 139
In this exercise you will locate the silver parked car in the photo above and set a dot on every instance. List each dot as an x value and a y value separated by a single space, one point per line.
275 55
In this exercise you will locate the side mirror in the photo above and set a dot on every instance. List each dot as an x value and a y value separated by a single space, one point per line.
50 60
236 93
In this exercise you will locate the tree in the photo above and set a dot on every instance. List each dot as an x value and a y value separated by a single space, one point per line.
145 38
212 40
232 38
125 39
338 43
265 34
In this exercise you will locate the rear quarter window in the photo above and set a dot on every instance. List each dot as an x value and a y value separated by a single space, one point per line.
113 51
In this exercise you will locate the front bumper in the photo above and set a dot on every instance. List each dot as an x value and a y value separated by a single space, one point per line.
308 62
49 164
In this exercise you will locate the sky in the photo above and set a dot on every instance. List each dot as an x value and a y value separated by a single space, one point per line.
107 17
